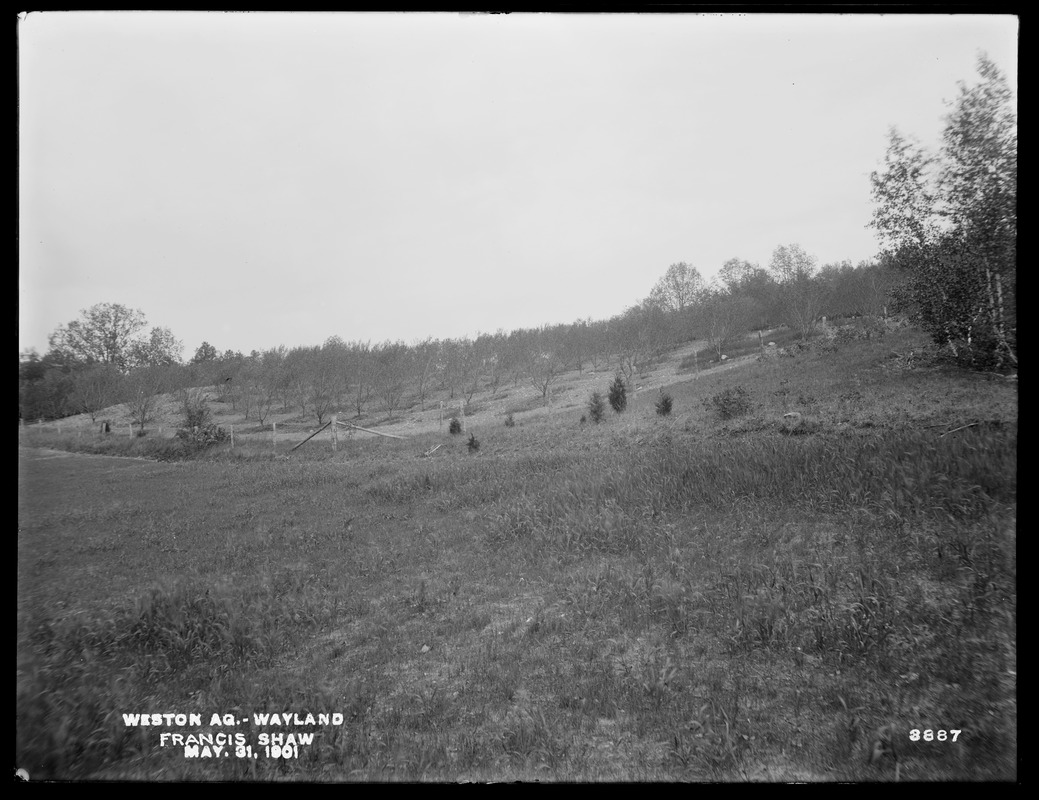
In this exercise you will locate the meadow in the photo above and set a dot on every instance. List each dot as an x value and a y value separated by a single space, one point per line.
810 558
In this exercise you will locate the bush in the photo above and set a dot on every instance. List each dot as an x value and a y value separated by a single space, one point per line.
509 421
664 403
195 409
204 436
729 404
618 394
199 430
596 408
455 426
474 443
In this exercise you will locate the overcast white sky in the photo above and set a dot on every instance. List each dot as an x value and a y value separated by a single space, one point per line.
261 179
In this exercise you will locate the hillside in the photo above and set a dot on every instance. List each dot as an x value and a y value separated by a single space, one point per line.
806 572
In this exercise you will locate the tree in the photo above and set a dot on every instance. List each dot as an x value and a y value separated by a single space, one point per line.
326 371
801 296
95 389
725 318
424 364
160 349
949 222
680 287
103 335
205 353
543 365
142 389
618 394
735 273
361 365
392 364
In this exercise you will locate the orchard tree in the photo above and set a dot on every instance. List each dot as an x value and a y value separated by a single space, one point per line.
543 365
949 222
802 297
95 389
725 318
392 366
143 389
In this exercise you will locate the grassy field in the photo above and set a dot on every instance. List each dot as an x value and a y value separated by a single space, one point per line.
814 553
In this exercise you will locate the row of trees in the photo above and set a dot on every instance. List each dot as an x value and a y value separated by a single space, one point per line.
101 359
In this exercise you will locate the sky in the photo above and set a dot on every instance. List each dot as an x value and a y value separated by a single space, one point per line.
262 179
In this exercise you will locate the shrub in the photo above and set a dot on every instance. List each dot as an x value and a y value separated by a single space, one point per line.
474 443
199 431
731 403
596 408
455 426
195 409
618 394
510 422
204 436
664 403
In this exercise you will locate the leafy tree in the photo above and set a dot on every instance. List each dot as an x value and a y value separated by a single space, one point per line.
160 349
103 335
949 223
736 273
205 353
680 287
48 397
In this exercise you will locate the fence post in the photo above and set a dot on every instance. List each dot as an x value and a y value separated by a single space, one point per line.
335 432
231 426
274 435
129 430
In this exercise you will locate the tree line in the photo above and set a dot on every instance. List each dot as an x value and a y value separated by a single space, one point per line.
104 358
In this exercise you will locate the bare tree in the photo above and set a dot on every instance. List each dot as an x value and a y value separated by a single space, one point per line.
95 389
392 363
802 296
726 317
143 389
543 365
